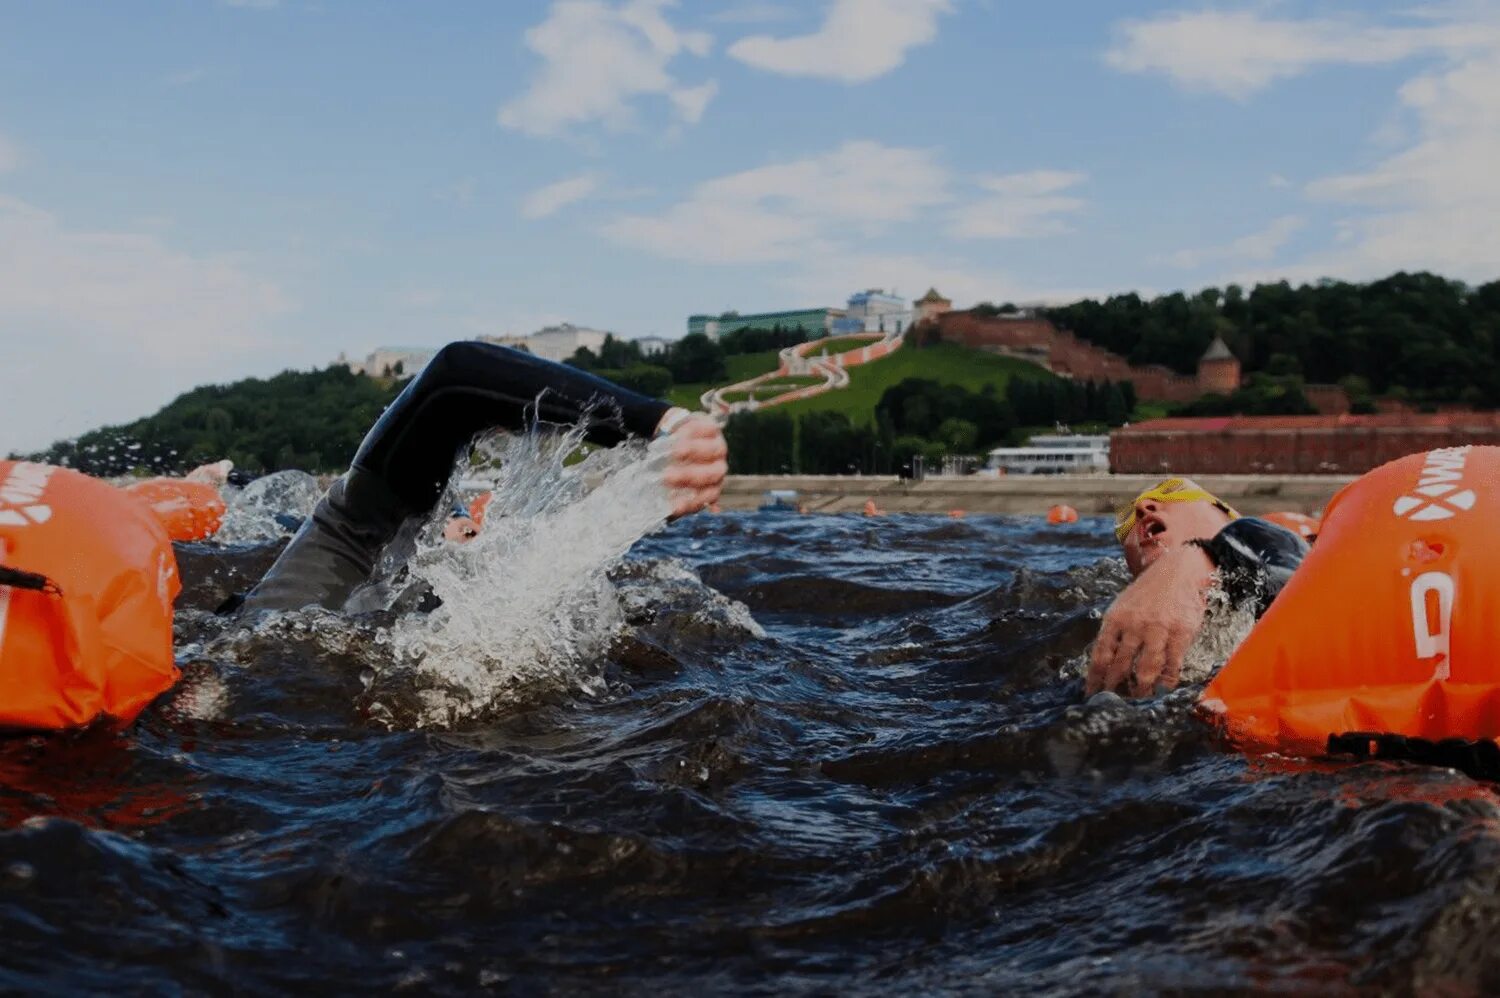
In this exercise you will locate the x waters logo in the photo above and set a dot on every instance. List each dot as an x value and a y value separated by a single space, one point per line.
21 495
1438 496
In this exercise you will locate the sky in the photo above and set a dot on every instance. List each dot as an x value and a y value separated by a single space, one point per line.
196 191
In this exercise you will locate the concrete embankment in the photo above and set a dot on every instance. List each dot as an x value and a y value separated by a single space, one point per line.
1091 495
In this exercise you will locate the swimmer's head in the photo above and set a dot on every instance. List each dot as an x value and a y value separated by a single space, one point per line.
1169 513
461 528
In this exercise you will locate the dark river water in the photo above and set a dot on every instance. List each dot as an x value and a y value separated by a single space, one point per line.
881 779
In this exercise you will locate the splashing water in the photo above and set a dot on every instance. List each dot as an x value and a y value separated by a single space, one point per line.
529 600
270 507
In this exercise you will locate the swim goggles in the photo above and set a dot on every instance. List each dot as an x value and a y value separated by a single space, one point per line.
1167 490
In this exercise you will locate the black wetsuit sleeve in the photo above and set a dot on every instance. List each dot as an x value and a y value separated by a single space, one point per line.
471 387
402 467
1254 559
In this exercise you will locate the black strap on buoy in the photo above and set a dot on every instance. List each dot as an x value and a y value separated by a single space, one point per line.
1479 759
17 579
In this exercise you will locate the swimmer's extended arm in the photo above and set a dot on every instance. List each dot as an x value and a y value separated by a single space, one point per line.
403 464
1254 559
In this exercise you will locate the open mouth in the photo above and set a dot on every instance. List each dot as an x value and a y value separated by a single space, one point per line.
1151 528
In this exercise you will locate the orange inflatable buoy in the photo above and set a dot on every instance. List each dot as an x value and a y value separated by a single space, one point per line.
1062 514
955 514
190 511
1304 526
1391 625
480 506
86 601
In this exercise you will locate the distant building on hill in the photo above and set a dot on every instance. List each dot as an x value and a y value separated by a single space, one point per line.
1218 369
930 306
874 311
562 341
652 346
816 323
390 362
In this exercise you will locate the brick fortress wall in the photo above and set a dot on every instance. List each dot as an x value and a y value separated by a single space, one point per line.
1038 340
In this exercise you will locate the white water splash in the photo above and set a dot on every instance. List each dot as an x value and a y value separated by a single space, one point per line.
268 508
529 599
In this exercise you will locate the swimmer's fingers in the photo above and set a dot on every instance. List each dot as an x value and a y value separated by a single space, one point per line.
699 426
1178 643
1102 658
1153 660
695 476
699 447
685 501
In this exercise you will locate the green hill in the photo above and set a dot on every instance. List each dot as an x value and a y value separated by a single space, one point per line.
945 363
313 420
740 366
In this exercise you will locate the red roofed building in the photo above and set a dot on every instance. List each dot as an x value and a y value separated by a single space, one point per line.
1294 445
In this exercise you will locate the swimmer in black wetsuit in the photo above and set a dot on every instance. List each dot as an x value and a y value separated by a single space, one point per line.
403 464
1176 538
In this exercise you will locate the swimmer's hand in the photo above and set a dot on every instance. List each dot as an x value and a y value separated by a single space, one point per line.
1150 626
699 460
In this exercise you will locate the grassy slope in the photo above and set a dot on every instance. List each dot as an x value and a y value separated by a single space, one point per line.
740 365
944 362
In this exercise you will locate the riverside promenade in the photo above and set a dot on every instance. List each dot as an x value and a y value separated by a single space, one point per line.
1091 495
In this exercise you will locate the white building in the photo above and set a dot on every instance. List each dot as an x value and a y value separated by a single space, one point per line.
653 345
1053 454
563 341
874 311
390 362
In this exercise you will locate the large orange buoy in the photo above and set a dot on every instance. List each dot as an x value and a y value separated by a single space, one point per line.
86 611
1304 526
189 510
1391 626
1062 514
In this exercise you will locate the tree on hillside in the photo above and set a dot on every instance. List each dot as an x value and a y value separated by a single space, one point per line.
695 359
309 420
1435 338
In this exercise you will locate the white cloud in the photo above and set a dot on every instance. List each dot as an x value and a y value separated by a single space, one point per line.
858 41
1429 204
1433 204
10 156
545 201
819 216
185 77
1258 247
598 58
135 319
1020 205
1237 53
795 210
754 13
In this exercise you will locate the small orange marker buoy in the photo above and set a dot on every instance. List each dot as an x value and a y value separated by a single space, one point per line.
480 507
1062 514
1304 526
955 514
189 510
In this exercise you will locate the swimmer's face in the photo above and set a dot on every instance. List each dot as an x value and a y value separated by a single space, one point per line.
460 529
1161 525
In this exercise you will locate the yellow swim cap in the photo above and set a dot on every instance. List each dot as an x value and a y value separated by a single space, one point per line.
1167 490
